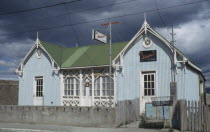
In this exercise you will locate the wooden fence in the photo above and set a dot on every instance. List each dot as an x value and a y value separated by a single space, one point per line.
194 116
127 111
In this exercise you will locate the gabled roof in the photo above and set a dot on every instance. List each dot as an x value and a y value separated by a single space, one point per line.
146 28
84 56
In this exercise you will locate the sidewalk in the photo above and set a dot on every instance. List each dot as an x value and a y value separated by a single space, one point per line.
17 127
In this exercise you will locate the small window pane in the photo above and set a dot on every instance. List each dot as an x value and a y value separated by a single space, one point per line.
145 77
152 78
145 84
152 85
149 91
149 86
153 92
145 91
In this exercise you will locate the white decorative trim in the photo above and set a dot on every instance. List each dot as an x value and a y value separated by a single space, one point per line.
36 46
39 53
146 28
147 43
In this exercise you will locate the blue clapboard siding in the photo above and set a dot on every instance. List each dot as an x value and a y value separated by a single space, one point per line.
39 67
128 79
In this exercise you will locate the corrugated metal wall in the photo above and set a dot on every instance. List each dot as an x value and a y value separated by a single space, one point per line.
128 80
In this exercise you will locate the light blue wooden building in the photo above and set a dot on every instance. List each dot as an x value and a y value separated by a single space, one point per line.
143 68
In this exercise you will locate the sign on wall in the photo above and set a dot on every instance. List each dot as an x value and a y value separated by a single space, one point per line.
96 35
146 56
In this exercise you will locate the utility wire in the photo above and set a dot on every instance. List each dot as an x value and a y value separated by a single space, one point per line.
37 8
159 14
161 19
152 10
70 13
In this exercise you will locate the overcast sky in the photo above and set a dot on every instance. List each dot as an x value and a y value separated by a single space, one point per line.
18 31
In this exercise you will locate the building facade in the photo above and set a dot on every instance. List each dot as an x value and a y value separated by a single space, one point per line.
142 68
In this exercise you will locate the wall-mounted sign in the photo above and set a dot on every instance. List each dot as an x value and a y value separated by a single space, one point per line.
146 56
96 35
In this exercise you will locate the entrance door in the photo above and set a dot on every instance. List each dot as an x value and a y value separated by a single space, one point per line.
148 89
38 90
87 92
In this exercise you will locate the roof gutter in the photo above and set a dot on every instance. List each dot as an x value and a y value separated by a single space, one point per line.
69 68
194 66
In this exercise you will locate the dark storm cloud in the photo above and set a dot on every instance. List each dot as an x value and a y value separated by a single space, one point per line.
182 17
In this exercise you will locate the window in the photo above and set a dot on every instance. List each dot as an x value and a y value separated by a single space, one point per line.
84 87
77 87
97 87
71 87
106 86
149 84
39 86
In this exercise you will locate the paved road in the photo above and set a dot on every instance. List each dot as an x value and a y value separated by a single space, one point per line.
17 127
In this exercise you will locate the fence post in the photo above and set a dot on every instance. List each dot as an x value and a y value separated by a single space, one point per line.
199 116
183 115
208 121
196 117
189 116
193 115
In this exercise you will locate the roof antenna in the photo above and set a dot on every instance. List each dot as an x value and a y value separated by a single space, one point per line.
145 17
145 23
37 34
37 40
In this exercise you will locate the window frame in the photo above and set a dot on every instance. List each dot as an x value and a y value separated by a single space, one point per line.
104 86
143 73
68 84
40 92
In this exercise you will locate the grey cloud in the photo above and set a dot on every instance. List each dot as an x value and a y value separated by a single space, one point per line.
185 18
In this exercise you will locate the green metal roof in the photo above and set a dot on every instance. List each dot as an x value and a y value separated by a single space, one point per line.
92 55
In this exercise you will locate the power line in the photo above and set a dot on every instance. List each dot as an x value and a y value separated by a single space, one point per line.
159 14
37 8
152 10
70 13
161 19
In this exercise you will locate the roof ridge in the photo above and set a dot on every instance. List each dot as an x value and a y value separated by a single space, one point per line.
80 46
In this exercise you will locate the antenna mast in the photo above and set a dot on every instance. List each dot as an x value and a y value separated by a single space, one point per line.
174 54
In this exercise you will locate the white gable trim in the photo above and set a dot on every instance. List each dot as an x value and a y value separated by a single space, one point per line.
37 44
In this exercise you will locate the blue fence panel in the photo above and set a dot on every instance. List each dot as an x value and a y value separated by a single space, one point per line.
156 112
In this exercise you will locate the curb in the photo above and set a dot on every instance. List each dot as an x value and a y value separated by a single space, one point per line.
21 130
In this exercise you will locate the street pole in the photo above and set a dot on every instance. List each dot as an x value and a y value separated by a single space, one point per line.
110 59
174 68
110 62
